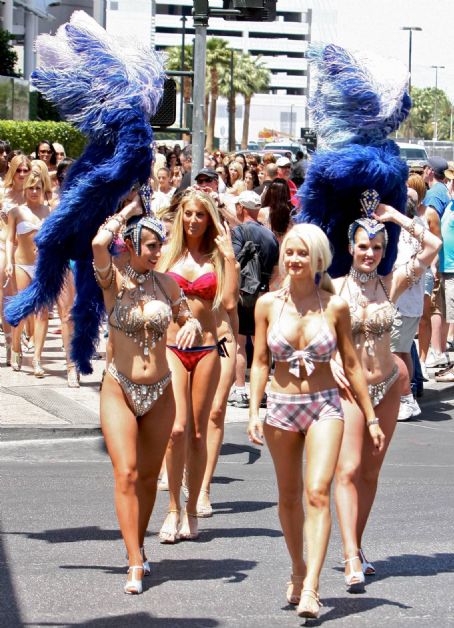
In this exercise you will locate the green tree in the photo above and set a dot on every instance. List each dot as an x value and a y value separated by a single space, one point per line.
250 77
8 56
174 63
428 102
217 59
255 78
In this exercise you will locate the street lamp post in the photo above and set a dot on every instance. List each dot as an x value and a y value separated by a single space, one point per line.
436 68
410 30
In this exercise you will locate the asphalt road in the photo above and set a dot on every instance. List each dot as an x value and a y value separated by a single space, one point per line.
62 560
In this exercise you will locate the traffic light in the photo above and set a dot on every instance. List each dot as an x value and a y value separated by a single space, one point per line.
252 10
167 111
309 139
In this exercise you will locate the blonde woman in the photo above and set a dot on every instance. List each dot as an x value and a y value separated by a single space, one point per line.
301 326
12 195
23 223
200 258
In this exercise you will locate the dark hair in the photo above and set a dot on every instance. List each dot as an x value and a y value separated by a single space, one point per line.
15 153
5 146
277 198
53 154
62 169
255 177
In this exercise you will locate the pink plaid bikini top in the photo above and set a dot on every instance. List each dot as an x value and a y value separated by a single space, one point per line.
320 348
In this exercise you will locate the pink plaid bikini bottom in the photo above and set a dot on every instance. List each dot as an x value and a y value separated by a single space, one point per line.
296 413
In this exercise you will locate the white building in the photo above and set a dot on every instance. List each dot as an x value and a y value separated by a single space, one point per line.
281 44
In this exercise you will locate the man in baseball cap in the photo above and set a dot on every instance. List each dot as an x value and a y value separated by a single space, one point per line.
284 170
207 178
247 206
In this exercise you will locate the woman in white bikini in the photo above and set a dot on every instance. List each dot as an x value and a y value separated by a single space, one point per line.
11 196
373 312
137 402
23 223
300 327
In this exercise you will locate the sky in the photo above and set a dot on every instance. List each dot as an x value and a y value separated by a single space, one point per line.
375 25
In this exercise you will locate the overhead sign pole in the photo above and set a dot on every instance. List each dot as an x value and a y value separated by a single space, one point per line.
198 93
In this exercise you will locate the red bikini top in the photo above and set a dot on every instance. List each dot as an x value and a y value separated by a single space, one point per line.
203 287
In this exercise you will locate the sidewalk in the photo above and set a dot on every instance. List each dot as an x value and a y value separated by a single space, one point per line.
33 408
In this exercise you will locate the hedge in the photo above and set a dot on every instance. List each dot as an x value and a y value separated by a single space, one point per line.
26 135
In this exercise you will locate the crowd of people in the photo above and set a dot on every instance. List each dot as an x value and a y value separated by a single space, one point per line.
333 362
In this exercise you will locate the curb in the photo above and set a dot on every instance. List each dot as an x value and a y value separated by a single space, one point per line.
9 433
41 432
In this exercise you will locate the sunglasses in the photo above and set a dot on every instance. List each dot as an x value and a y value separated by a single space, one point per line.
44 152
23 170
202 181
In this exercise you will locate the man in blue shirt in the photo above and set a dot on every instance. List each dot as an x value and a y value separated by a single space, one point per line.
446 259
435 175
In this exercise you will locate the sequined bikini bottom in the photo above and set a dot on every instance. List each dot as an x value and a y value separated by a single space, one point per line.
141 397
379 390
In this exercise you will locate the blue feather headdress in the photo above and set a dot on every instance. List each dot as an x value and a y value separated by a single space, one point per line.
354 111
108 89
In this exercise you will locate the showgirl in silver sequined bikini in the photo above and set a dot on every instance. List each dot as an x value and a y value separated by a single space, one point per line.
371 299
137 403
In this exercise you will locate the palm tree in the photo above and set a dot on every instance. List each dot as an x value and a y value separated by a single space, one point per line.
217 58
229 87
174 63
250 76
256 80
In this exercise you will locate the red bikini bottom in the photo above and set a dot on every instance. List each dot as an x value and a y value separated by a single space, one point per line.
191 357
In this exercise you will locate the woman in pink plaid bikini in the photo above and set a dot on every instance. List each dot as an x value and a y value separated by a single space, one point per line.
300 326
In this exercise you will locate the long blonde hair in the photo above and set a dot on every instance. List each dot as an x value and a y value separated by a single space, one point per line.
16 161
178 246
320 254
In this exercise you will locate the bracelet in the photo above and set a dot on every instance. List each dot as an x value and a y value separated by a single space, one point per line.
113 233
374 421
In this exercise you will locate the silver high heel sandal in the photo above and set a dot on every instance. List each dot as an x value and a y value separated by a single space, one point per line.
204 510
72 375
16 360
358 586
38 370
368 568
146 564
134 586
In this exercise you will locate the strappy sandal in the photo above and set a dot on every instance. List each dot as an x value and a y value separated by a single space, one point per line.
305 608
295 584
185 534
16 360
355 579
163 484
72 375
170 534
38 370
134 586
146 564
204 510
368 568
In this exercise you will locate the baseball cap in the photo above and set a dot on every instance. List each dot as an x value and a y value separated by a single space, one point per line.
209 173
283 161
250 200
441 167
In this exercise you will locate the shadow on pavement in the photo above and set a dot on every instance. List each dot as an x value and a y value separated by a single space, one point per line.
438 413
227 569
138 619
352 605
410 565
206 536
230 449
223 479
9 607
230 508
72 535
